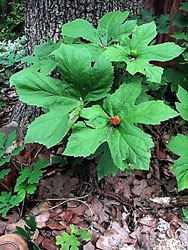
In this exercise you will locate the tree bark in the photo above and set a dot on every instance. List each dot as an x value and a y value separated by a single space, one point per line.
44 18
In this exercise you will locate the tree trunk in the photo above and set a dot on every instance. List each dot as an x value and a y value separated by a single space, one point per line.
44 18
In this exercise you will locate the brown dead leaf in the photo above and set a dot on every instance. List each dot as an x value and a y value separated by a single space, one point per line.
163 225
10 179
79 210
12 218
98 210
89 246
67 215
148 220
10 228
114 237
161 155
3 225
39 208
39 239
55 225
57 186
171 232
139 187
42 218
182 232
49 243
103 243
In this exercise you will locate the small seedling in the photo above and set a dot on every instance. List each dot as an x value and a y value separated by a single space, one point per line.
72 241
28 232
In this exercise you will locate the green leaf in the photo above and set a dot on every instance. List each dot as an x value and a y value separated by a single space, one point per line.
130 143
90 82
163 24
84 235
67 241
31 223
147 15
129 146
7 201
2 152
35 88
182 107
153 73
5 197
138 55
41 59
143 35
161 52
81 28
177 77
24 174
74 230
106 165
48 129
152 112
96 115
31 188
128 27
185 213
11 137
16 199
44 49
90 139
180 35
17 150
122 99
181 170
184 6
3 173
36 171
179 146
2 140
21 231
117 53
110 25
4 160
180 20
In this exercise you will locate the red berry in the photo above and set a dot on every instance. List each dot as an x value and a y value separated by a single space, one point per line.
115 120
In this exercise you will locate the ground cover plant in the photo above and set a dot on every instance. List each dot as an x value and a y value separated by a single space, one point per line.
104 116
108 93
11 20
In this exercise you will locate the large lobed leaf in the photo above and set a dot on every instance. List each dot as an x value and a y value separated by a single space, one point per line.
42 60
182 107
81 28
179 146
35 88
138 54
110 26
89 80
83 80
129 146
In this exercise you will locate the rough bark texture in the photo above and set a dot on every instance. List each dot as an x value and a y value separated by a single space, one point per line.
44 18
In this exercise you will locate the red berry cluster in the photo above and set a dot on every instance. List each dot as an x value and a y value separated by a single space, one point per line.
115 120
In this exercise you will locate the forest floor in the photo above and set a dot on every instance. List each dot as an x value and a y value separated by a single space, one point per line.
124 212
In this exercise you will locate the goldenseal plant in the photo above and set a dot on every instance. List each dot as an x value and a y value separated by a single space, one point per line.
103 118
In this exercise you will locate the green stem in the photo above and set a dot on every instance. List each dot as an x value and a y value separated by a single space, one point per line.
5 186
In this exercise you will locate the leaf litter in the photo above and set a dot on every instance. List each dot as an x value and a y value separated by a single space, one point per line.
124 216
